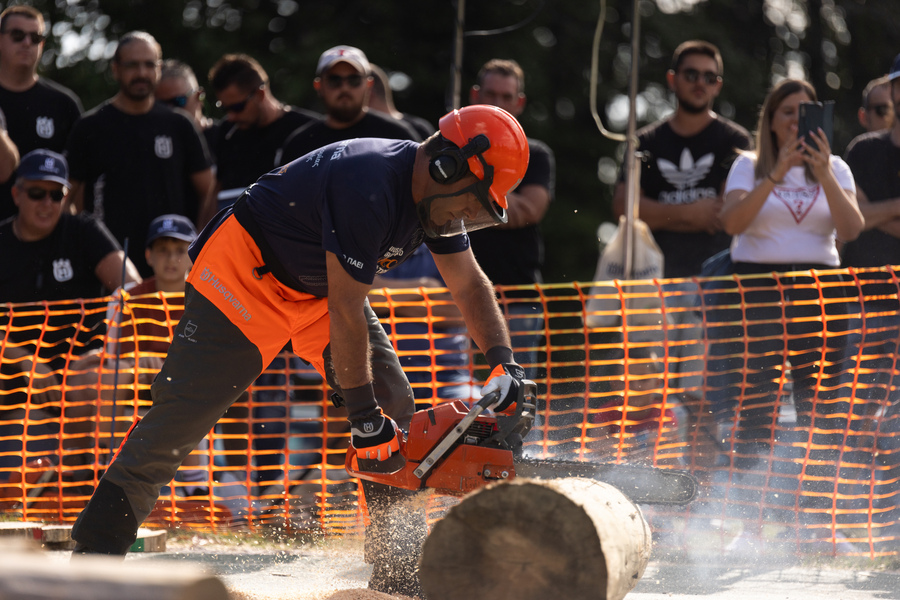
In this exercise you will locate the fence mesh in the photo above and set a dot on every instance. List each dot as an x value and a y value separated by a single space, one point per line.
778 392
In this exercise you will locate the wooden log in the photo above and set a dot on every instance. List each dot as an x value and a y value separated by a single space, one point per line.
20 529
533 540
30 576
57 537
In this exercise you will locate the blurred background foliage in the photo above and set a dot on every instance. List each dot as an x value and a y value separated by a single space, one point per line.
839 45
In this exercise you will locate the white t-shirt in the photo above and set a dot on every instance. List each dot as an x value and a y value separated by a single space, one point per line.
794 225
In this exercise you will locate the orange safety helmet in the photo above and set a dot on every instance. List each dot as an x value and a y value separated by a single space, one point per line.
508 151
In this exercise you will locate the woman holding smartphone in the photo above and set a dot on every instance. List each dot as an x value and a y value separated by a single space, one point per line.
786 205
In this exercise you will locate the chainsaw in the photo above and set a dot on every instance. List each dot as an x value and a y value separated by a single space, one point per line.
454 450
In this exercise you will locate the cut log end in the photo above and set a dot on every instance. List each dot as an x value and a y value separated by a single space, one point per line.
568 538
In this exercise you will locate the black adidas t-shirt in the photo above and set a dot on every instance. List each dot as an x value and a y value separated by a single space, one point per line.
40 117
354 199
136 168
682 170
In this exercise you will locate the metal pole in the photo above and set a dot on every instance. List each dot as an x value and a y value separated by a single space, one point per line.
112 424
456 69
632 156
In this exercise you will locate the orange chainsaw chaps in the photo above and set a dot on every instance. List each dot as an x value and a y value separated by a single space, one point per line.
465 468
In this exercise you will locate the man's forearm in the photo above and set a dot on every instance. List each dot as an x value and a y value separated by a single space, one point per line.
350 347
483 317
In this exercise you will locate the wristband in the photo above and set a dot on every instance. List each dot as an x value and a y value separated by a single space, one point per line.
499 355
769 177
360 401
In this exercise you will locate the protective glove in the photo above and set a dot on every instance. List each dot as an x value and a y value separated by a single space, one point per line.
375 437
507 378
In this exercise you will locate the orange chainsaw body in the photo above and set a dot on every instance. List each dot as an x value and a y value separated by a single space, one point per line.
465 467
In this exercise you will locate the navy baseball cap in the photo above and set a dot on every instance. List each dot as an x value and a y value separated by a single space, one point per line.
178 227
895 69
44 165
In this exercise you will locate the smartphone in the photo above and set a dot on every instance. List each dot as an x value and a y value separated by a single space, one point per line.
815 115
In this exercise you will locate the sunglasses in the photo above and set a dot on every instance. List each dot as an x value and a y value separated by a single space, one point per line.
881 109
176 101
18 36
237 107
693 75
336 81
38 193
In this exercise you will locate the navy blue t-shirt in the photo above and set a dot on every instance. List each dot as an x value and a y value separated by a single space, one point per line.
352 198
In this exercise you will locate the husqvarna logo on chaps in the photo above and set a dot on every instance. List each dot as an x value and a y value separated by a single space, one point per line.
207 276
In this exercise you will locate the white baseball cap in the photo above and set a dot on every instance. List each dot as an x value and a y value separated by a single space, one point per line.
347 54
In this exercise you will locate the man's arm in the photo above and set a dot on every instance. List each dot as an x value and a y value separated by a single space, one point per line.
349 329
882 215
527 206
109 270
9 156
702 215
475 297
204 183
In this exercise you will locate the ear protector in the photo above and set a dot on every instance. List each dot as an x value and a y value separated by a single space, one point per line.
452 164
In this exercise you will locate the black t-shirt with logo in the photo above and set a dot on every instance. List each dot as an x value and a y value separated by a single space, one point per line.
875 163
682 170
58 267
40 117
244 155
136 168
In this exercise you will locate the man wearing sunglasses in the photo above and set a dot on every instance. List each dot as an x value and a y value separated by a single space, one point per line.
688 155
344 82
874 160
178 88
877 110
39 113
254 124
133 159
46 253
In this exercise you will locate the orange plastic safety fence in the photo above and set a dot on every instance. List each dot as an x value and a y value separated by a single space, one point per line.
778 392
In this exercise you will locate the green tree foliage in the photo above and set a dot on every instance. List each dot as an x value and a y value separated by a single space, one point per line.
838 44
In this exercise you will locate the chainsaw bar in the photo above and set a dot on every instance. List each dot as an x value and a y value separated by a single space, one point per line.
642 485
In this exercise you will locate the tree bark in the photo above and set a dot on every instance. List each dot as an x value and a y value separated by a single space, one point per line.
567 538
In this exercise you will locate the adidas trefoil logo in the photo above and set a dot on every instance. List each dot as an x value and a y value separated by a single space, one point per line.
687 173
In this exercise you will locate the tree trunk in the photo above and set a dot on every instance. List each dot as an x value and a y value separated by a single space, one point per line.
566 538
30 576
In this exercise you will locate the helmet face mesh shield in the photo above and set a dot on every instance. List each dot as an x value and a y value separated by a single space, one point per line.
489 213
